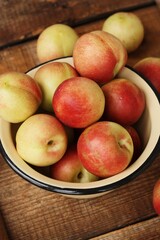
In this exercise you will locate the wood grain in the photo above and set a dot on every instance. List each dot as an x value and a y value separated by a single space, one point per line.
136 231
33 213
3 232
22 20
23 56
36 214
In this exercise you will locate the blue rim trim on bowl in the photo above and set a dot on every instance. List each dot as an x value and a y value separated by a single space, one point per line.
96 190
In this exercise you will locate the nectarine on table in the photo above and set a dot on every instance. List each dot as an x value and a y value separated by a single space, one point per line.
56 41
127 27
156 197
149 68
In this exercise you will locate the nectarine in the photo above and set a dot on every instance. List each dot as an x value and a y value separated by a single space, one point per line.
70 168
41 140
105 148
49 76
20 96
78 102
149 67
56 41
98 55
156 197
124 101
127 27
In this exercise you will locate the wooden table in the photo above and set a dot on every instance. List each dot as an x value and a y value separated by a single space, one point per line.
31 213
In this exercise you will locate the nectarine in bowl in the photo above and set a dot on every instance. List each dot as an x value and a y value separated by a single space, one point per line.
148 127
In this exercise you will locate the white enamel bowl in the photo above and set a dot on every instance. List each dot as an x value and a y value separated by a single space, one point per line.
149 127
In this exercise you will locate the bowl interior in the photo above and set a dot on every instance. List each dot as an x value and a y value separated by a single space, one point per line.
148 127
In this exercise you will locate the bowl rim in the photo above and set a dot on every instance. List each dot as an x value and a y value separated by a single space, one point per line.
86 191
82 191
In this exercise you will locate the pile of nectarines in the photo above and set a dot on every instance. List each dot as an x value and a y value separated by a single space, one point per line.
75 118
80 119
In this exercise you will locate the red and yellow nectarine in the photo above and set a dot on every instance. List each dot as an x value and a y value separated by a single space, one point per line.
78 102
99 56
105 148
124 101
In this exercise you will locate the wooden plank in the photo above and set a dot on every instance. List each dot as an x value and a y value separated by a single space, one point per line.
33 213
3 232
21 20
149 229
23 56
